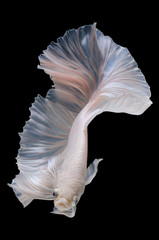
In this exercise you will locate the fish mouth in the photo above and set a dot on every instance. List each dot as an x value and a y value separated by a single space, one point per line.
68 213
65 206
62 204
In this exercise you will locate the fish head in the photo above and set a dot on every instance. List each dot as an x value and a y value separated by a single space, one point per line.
65 206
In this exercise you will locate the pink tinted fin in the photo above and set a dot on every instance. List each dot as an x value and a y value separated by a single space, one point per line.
94 70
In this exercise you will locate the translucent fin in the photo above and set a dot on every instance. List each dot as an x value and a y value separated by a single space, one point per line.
73 63
45 134
93 69
33 186
43 142
92 171
123 87
22 197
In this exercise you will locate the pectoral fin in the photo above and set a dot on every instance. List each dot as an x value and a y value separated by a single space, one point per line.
92 171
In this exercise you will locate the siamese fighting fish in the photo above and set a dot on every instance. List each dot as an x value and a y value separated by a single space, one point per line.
91 74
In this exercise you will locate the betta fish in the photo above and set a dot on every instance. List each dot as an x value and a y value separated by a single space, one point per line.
91 74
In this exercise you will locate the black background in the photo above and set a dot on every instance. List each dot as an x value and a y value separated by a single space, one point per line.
120 202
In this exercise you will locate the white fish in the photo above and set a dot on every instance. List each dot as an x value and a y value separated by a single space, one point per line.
91 74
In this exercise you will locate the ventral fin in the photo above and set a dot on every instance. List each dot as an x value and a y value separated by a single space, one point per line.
92 171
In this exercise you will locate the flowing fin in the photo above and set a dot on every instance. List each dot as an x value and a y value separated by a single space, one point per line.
92 171
97 72
43 142
45 134
23 198
33 186
73 63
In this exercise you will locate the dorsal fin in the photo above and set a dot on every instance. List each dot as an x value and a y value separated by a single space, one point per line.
45 134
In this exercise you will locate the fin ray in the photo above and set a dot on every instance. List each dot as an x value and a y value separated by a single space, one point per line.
46 132
95 65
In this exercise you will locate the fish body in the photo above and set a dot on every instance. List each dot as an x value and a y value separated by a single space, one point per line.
72 175
91 75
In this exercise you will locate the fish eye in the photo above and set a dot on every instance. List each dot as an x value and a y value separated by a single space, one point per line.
54 194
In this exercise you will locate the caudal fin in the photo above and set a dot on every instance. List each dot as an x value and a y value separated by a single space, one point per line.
89 68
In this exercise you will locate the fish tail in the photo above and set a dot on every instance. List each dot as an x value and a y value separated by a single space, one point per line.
90 69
